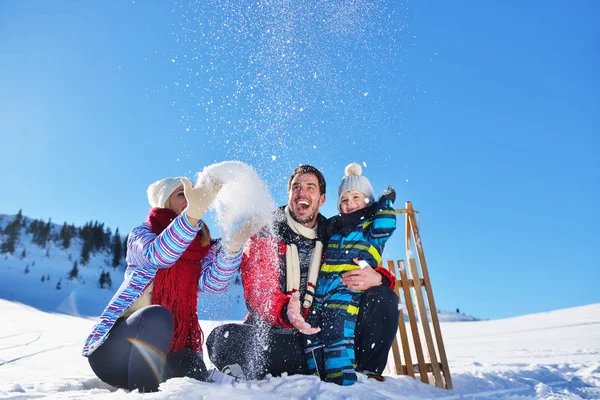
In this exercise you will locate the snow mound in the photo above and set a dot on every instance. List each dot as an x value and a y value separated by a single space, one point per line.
553 355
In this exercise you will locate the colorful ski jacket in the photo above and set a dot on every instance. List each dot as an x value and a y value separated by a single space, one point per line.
146 253
263 271
365 242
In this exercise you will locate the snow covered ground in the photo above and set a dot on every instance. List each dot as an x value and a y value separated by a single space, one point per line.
553 355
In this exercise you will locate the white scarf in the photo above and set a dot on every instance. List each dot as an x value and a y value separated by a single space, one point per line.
292 261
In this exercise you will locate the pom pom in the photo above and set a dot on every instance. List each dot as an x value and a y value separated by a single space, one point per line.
353 169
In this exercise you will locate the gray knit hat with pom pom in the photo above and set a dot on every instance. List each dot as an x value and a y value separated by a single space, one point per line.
354 180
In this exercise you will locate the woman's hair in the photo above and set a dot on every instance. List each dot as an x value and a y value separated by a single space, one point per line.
204 235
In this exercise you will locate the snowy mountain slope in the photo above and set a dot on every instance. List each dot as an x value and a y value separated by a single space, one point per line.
553 355
21 279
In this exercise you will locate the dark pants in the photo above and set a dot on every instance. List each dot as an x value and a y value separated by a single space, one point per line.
263 349
135 353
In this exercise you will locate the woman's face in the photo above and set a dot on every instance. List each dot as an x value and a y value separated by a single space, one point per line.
177 201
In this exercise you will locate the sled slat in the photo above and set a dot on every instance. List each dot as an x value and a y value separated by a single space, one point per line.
406 368
412 263
411 282
412 319
430 300
402 325
395 349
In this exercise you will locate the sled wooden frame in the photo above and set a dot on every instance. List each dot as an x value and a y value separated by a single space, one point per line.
410 285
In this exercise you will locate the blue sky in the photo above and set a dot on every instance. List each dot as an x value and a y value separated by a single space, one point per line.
484 114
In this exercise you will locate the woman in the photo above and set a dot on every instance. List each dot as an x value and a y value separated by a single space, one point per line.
149 331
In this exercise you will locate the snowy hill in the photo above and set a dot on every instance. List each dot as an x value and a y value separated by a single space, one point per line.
31 274
553 355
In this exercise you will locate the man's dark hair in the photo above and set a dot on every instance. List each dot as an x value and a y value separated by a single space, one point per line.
308 169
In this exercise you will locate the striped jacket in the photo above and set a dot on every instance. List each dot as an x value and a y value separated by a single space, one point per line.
365 242
148 252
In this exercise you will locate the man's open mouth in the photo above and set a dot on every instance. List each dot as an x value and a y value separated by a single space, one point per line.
302 204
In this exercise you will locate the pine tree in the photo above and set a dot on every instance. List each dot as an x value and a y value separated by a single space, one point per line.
19 217
43 278
107 239
65 236
102 280
48 228
85 252
23 254
12 232
74 271
125 247
108 280
116 249
7 245
27 269
40 232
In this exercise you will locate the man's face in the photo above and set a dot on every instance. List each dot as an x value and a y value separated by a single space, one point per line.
305 198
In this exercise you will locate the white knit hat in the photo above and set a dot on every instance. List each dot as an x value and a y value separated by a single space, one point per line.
353 180
160 191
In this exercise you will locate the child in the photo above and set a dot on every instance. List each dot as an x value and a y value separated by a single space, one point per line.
359 232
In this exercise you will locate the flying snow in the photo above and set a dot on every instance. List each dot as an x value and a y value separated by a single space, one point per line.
244 194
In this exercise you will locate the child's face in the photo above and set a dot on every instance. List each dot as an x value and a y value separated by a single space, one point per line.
353 200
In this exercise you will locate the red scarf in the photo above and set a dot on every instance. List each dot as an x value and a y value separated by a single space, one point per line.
176 288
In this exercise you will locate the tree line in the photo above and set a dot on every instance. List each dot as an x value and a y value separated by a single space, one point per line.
94 236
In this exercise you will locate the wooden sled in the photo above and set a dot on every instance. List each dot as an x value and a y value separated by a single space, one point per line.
423 338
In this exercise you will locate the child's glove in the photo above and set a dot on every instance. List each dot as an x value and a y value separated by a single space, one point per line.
296 318
200 197
243 233
388 194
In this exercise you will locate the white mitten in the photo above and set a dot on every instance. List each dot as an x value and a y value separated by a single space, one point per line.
200 197
243 233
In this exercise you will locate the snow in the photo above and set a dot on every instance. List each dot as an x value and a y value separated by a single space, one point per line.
554 355
82 296
240 182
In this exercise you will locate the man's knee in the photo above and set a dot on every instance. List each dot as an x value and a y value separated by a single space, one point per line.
217 336
381 298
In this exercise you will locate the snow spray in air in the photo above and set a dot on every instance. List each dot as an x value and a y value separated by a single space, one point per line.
244 195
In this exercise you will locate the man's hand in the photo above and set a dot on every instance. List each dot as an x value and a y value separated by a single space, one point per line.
361 279
296 318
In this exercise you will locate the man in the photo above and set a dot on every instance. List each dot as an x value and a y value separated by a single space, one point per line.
279 271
